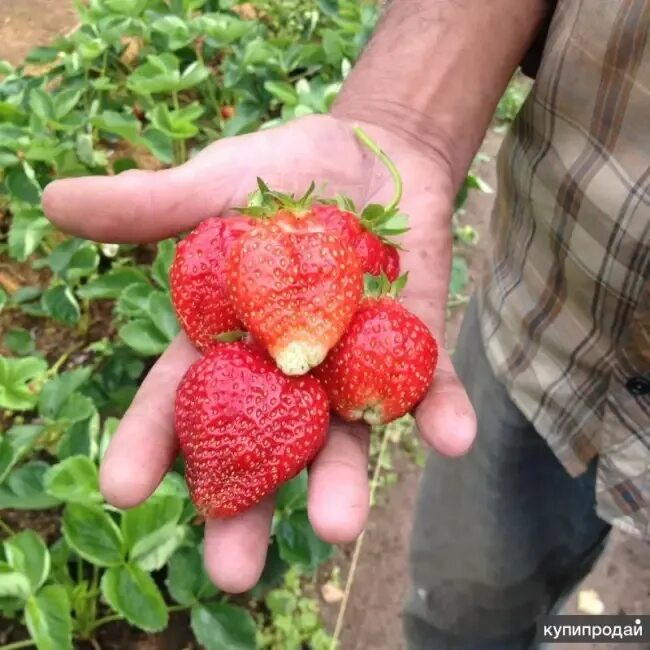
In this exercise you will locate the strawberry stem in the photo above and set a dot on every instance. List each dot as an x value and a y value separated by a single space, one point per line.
371 145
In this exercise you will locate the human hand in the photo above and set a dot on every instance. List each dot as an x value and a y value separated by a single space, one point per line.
141 206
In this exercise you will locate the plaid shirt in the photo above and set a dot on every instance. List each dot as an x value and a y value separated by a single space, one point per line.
565 304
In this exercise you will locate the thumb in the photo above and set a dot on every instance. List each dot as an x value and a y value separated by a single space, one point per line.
140 206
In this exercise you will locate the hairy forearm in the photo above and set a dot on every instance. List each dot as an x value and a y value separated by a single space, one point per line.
435 69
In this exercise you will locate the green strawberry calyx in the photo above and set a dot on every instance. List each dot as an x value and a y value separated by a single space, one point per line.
377 286
265 202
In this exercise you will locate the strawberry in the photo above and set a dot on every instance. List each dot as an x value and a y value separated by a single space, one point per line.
294 284
198 280
376 254
245 428
382 366
227 111
390 264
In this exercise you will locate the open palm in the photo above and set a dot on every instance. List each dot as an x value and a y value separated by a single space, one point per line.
140 206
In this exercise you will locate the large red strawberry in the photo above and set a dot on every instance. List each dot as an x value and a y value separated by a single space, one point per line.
383 365
294 284
245 428
198 280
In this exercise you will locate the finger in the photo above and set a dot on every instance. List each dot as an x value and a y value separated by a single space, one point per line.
445 417
338 484
235 549
144 445
140 206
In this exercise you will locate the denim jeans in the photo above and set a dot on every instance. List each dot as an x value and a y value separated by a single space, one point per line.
500 535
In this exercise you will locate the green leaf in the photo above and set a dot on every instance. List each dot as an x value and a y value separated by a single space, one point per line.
81 437
26 232
113 283
82 263
219 626
160 145
59 303
84 148
74 479
162 263
18 382
7 158
144 337
222 28
187 581
176 31
48 618
179 124
122 165
123 125
160 74
148 528
333 46
59 389
72 259
46 149
132 593
110 427
3 298
17 442
298 543
23 489
21 186
76 408
41 104
13 584
19 341
26 553
127 7
87 47
293 495
134 300
93 534
25 294
65 101
459 276
283 91
162 315
193 75
42 54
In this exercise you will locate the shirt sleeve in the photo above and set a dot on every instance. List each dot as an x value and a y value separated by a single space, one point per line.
531 61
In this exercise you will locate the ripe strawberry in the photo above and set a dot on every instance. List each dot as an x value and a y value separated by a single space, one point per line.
198 280
382 366
244 428
294 284
227 111
369 246
391 263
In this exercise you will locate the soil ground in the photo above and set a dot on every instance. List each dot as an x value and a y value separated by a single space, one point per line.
622 576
